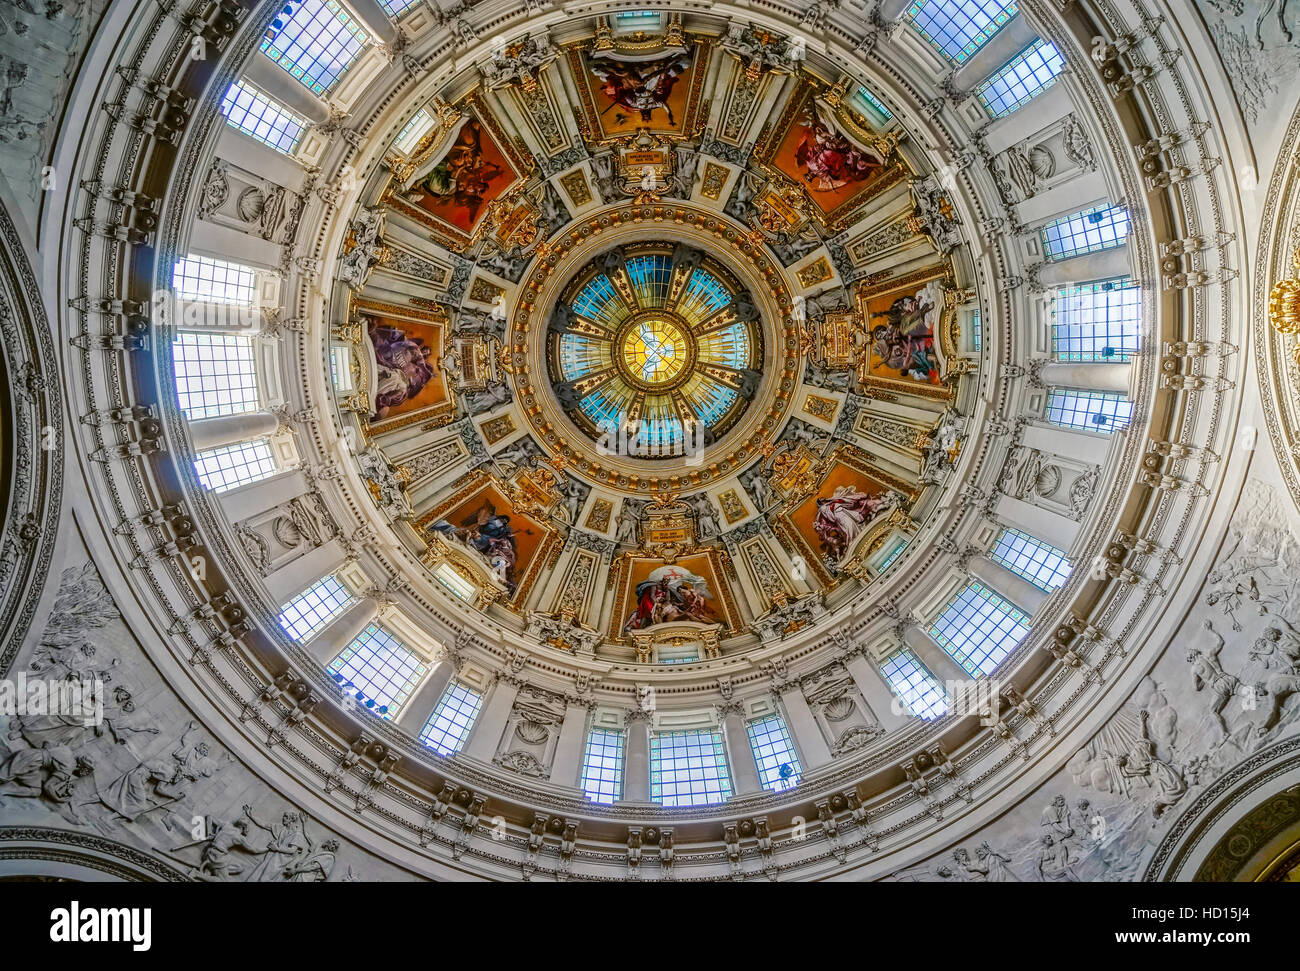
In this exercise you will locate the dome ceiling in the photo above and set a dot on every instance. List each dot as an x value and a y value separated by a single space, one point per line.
652 353
748 375
659 354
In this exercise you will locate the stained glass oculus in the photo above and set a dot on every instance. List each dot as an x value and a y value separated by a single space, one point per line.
656 348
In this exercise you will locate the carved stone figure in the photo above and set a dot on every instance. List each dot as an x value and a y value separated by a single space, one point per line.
706 519
486 399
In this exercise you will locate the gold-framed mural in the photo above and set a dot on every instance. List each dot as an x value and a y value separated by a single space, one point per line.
628 86
452 185
405 347
837 169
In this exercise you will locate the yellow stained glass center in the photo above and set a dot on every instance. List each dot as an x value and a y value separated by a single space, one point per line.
655 350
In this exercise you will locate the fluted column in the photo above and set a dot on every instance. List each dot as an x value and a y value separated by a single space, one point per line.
636 759
1013 38
807 735
891 10
1043 110
1046 525
375 19
934 657
486 734
1091 266
567 765
209 433
875 692
264 73
1010 585
342 630
744 770
420 706
1099 376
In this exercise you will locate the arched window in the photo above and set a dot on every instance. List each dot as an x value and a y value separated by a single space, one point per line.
312 610
914 685
602 766
774 754
378 671
979 629
1102 227
1097 321
688 768
231 466
316 41
453 717
1022 78
958 28
1094 411
1040 563
260 116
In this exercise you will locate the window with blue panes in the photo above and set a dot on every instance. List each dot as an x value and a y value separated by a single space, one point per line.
453 717
630 21
312 610
316 41
597 300
979 629
414 130
602 766
1040 563
231 466
203 279
914 685
1097 321
1094 411
977 331
893 555
728 345
378 671
215 374
688 768
582 355
958 28
261 116
704 295
1100 228
774 754
395 8
875 104
712 401
659 435
1020 79
650 276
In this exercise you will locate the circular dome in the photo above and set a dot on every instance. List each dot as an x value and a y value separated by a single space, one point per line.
895 321
654 352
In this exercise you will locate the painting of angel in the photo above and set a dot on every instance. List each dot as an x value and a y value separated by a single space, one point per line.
404 364
632 94
471 173
902 335
491 534
671 593
842 516
817 155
